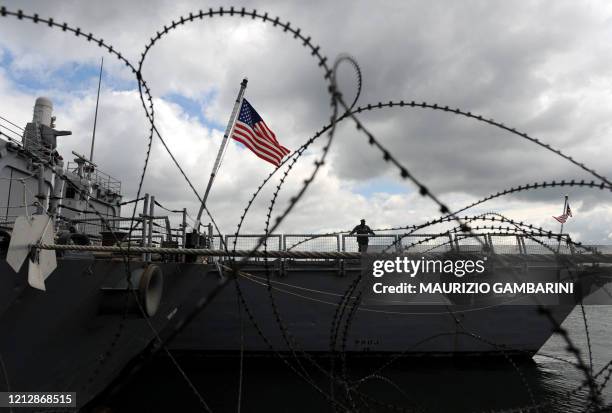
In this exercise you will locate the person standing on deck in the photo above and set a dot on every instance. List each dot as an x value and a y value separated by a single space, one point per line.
362 231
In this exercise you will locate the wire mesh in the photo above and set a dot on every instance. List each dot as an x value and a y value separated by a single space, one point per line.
250 241
425 243
507 244
102 179
376 243
311 242
470 243
545 245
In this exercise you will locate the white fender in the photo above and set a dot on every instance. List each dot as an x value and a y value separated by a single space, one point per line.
28 231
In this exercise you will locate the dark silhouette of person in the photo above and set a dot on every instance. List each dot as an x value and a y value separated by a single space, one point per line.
362 231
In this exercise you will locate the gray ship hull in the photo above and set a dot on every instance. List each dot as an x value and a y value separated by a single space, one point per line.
67 339
306 303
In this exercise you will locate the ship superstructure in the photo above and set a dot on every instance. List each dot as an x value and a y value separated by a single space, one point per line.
72 321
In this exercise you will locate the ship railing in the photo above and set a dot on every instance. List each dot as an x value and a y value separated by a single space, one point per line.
376 243
98 227
543 245
163 234
397 243
548 244
11 132
102 179
274 242
517 245
312 242
157 230
107 230
33 145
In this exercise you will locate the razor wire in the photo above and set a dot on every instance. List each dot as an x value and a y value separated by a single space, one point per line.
336 98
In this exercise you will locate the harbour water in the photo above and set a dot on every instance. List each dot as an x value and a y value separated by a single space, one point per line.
439 385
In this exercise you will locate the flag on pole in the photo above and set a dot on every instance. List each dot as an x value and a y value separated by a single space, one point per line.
562 218
251 130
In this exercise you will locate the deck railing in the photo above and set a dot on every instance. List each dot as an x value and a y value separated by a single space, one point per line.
501 244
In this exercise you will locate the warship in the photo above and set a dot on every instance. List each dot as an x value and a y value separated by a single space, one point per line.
72 317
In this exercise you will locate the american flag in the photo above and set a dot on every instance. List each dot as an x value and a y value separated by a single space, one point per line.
252 132
565 216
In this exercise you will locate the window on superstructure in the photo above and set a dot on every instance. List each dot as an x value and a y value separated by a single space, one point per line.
70 193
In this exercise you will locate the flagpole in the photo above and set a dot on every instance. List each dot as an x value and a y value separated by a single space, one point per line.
561 231
228 130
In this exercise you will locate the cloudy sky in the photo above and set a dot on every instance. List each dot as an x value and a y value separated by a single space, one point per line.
541 67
